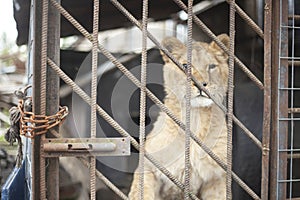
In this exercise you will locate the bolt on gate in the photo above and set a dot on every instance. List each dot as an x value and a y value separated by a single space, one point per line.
45 65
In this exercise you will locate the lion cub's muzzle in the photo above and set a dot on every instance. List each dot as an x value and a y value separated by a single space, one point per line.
201 93
200 98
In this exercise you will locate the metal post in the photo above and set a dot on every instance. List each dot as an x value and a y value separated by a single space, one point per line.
282 133
267 100
278 163
273 139
36 142
52 96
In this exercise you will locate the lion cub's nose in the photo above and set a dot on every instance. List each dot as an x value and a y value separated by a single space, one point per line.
204 84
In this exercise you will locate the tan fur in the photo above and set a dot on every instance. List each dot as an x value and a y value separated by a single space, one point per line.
166 140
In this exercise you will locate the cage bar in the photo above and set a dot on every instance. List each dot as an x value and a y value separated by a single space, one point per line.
267 100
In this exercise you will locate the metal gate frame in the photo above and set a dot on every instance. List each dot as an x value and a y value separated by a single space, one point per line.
46 72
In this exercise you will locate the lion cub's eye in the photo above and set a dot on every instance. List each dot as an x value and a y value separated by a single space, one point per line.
212 66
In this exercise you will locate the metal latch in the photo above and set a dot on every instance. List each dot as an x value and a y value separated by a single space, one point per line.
82 146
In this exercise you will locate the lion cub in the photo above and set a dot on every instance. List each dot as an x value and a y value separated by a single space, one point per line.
166 140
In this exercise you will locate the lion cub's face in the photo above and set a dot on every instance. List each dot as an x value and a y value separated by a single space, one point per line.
210 67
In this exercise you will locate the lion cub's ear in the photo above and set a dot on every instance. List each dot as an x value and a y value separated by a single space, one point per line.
224 38
174 46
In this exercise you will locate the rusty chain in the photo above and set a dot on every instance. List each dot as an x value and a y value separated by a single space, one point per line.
32 124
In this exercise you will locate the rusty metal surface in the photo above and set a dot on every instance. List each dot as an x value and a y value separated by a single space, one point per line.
86 147
267 101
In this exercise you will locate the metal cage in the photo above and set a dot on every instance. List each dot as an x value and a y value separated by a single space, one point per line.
280 61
